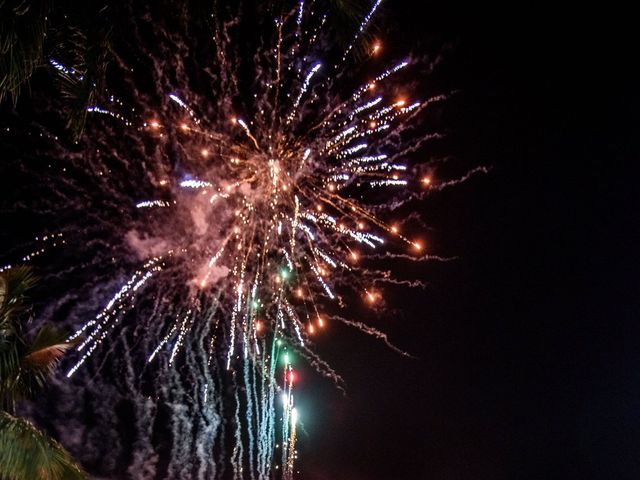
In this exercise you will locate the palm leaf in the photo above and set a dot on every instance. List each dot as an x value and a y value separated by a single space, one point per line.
87 49
23 27
46 351
27 453
14 285
3 290
24 369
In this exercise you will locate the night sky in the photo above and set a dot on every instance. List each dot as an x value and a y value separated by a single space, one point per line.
527 345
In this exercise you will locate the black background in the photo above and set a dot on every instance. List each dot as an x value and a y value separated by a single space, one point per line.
528 344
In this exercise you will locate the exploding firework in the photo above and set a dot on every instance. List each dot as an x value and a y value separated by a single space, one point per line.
226 221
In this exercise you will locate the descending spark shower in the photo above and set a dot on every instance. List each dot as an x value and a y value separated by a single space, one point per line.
224 230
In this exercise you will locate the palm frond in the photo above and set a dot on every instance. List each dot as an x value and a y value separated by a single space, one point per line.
9 373
3 290
24 368
28 453
23 27
44 353
347 16
83 44
14 284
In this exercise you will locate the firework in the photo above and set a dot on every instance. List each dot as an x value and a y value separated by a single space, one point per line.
230 232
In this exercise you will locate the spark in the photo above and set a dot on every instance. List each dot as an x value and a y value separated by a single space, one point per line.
153 203
195 184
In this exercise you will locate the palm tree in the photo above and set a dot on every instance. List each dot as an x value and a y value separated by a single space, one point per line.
26 453
32 32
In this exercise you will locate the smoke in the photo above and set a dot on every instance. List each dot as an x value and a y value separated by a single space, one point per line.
145 246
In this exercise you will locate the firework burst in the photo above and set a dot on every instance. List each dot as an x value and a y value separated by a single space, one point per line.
225 226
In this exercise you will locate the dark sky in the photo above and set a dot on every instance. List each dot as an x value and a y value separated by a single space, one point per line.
529 344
